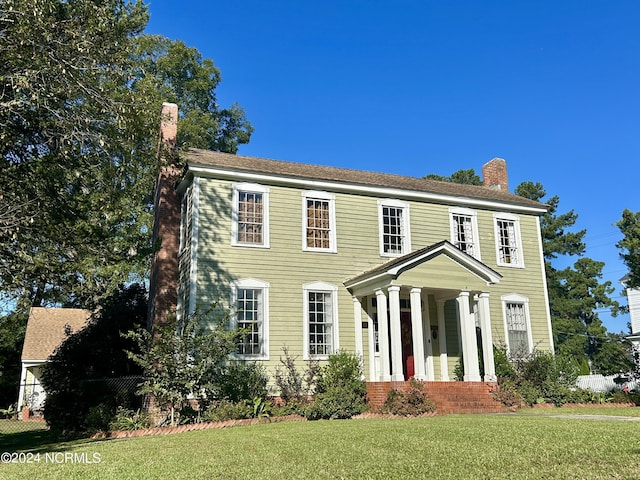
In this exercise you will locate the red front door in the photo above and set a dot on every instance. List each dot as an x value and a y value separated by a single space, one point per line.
407 345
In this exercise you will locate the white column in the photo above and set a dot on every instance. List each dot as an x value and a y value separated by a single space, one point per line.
357 319
373 376
23 387
431 376
396 337
442 339
417 334
487 338
383 335
468 334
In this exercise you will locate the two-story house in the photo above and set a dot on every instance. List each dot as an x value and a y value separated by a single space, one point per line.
415 276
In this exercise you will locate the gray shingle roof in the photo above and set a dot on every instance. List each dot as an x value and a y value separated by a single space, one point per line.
206 158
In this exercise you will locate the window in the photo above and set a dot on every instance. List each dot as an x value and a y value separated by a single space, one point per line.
250 300
318 221
321 320
250 225
508 244
464 231
516 318
393 219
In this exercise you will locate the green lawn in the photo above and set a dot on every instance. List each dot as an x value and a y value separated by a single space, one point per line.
454 446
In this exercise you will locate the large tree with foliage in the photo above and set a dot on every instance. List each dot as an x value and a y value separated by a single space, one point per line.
80 93
629 246
467 177
81 89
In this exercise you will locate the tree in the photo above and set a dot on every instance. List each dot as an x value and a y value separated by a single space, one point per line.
186 358
169 71
468 177
80 395
79 112
629 246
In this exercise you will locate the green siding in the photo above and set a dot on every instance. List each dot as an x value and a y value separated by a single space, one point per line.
286 267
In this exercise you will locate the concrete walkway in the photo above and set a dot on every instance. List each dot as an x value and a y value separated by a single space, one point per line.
579 416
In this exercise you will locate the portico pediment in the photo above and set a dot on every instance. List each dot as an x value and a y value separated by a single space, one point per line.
439 266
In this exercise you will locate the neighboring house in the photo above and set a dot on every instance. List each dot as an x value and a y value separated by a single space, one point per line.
46 329
633 300
412 275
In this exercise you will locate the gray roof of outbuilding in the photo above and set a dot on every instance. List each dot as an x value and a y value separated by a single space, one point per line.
227 161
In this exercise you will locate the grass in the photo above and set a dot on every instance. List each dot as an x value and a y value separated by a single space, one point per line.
445 447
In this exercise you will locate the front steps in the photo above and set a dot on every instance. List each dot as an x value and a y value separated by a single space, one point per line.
449 397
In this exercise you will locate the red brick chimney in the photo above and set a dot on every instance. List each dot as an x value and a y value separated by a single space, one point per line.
494 174
163 283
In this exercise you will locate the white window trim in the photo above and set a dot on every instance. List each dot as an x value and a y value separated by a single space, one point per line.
324 288
251 188
255 284
308 194
516 298
496 231
389 202
474 226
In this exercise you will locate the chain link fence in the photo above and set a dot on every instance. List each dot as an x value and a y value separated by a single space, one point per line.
119 391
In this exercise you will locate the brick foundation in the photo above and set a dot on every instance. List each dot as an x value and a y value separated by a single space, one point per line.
449 397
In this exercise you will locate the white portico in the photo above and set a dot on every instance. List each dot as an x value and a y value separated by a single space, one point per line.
405 304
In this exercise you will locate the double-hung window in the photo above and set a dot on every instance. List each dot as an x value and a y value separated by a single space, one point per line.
517 325
464 231
250 226
318 222
250 299
320 320
393 224
508 242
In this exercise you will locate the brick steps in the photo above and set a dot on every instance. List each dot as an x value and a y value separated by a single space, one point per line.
449 397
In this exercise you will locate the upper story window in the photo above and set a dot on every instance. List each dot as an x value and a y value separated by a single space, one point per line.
250 298
464 231
508 242
320 320
393 221
318 222
250 225
517 325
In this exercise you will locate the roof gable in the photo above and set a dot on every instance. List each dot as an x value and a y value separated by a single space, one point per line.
458 270
46 330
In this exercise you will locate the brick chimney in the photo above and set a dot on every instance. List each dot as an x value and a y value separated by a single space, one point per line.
163 283
494 174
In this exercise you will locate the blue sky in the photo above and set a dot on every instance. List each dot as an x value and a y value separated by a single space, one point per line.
419 87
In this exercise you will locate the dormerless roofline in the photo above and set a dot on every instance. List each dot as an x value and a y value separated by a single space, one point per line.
394 192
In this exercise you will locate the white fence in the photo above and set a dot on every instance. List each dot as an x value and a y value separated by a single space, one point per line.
601 383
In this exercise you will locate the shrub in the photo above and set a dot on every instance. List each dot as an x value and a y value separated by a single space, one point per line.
342 393
504 368
225 410
538 377
126 419
293 385
243 381
508 395
413 402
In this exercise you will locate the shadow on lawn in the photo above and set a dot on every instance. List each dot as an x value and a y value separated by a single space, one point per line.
41 440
